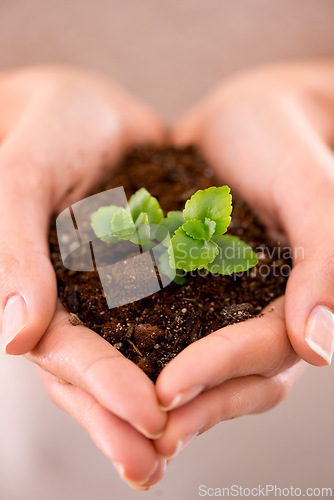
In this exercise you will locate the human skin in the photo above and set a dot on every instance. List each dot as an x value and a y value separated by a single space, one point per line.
57 125
268 133
62 130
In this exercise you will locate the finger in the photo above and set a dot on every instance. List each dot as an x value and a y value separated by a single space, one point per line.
82 358
28 285
234 398
307 214
133 455
258 346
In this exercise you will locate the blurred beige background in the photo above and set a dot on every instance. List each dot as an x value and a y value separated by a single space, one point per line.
168 53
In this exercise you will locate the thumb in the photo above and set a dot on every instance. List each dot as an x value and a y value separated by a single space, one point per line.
308 219
27 281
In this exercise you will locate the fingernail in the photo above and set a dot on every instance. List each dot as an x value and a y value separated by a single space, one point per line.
147 434
184 397
15 318
320 332
137 487
120 469
156 475
182 444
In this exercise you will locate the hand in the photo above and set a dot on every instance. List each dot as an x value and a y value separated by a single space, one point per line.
267 134
60 129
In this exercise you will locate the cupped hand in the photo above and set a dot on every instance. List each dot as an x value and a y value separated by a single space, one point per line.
62 130
268 135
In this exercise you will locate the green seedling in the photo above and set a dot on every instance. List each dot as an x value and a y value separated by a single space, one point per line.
197 234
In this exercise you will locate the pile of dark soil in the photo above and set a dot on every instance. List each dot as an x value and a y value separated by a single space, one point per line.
153 330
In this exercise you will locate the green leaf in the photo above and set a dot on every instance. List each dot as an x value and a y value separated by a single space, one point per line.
143 202
214 203
234 256
173 221
122 223
142 235
164 267
101 223
189 254
200 230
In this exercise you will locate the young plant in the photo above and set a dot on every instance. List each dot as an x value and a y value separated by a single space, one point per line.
197 234
133 223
